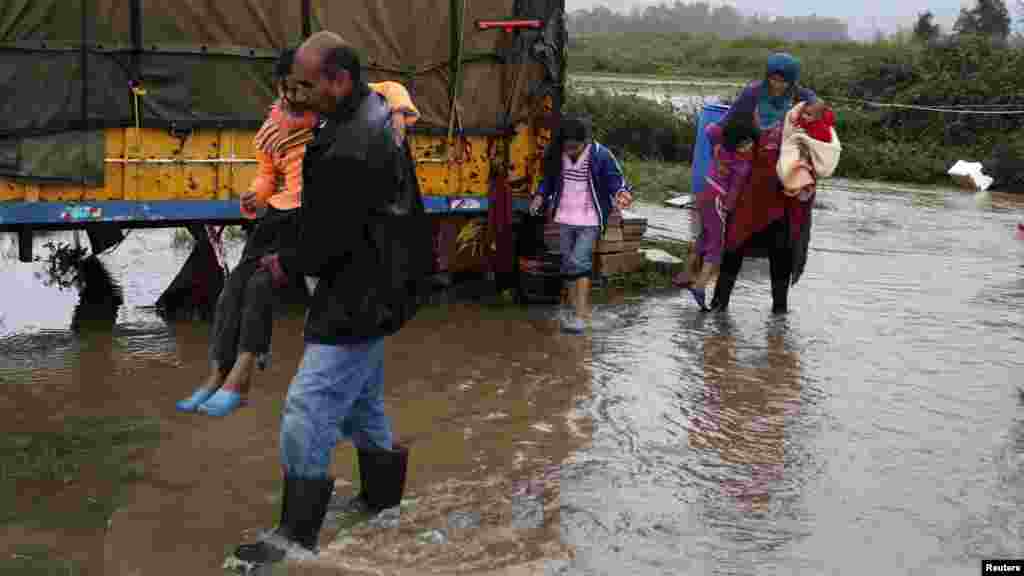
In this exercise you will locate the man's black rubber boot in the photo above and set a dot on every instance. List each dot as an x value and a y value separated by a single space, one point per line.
382 475
309 510
303 507
359 502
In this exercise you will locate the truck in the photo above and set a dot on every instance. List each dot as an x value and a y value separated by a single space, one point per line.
126 114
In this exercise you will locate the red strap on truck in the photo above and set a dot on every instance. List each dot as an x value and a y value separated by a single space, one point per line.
508 25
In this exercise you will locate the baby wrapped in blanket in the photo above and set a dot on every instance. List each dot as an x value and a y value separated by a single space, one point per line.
810 148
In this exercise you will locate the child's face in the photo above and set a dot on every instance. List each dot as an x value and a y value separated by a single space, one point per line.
574 148
293 95
812 112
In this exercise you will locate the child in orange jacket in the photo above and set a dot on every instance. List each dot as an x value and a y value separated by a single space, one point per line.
243 321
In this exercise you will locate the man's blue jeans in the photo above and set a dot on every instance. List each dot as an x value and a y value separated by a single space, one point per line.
336 393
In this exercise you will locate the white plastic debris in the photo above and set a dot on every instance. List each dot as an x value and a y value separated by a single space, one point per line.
969 175
683 201
659 256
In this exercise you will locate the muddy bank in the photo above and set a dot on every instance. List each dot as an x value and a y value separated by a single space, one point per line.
485 421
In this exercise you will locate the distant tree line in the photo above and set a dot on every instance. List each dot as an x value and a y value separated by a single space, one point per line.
988 18
702 18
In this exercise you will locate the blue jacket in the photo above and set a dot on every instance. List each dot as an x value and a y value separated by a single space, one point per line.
606 180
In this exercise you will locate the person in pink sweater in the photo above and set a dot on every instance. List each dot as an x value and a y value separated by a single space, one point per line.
583 184
733 147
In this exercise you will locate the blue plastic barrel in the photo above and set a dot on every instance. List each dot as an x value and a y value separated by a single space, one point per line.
702 149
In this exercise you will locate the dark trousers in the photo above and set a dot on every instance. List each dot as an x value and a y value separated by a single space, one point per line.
773 242
244 319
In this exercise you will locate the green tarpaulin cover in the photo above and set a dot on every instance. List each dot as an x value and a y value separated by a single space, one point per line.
65 65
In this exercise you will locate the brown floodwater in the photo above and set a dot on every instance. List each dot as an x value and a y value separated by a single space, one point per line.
876 429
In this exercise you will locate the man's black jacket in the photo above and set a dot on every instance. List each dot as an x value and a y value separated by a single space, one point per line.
362 228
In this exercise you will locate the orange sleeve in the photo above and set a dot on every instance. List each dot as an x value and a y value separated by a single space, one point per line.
265 182
403 112
398 98
291 196
264 185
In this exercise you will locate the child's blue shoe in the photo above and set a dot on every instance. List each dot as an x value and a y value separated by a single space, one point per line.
700 296
223 403
191 403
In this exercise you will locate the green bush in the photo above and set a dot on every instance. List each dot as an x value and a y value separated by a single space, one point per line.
706 55
656 182
919 145
636 127
878 143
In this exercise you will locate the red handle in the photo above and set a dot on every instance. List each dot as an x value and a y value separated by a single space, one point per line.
508 25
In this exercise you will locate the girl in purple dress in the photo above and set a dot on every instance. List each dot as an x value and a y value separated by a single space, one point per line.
731 163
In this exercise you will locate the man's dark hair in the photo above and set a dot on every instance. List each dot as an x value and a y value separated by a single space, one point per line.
576 128
737 130
283 66
342 58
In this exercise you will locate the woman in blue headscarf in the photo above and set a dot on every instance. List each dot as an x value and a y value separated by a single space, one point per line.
766 222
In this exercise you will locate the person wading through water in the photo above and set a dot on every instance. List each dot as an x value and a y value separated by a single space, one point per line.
766 221
243 320
731 159
365 242
582 184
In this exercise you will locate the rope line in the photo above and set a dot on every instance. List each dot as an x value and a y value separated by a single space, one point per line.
948 110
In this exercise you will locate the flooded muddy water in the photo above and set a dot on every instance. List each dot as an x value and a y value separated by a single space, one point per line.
876 429
685 94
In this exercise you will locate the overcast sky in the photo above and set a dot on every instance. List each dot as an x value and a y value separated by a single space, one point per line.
862 15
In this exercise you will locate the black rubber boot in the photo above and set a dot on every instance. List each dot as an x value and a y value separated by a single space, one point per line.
303 507
727 275
780 293
779 306
723 290
358 503
781 274
382 476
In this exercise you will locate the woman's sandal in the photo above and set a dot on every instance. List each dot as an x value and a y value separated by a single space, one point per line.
700 296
